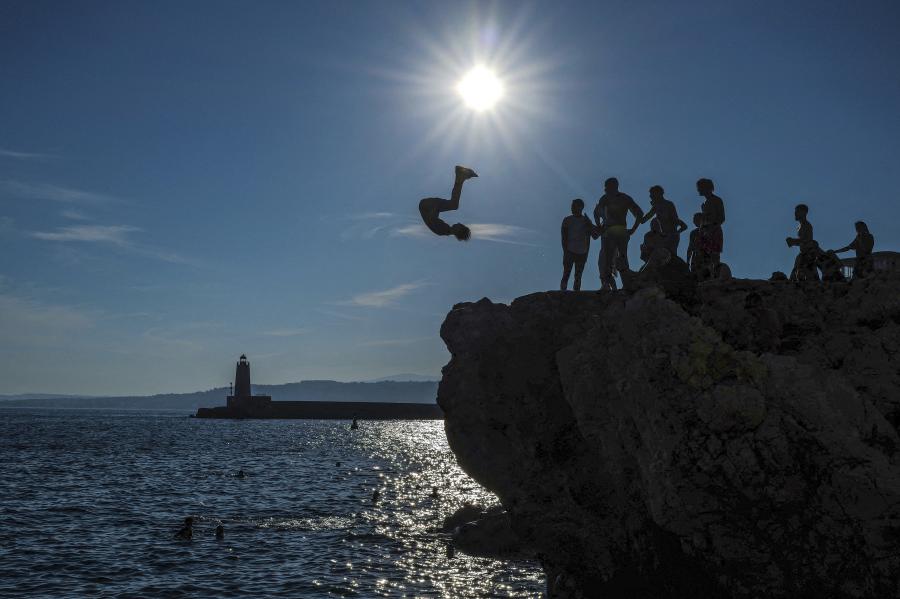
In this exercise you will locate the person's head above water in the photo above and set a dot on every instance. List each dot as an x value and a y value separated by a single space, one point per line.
461 232
188 521
611 185
577 206
861 227
657 193
800 211
705 186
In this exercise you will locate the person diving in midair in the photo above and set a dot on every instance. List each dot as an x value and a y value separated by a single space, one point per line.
430 208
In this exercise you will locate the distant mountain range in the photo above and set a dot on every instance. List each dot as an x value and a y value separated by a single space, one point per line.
377 391
407 376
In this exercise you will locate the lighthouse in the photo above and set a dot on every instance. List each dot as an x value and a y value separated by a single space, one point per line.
243 401
242 378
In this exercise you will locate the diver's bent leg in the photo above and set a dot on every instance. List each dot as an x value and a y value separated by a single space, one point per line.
453 203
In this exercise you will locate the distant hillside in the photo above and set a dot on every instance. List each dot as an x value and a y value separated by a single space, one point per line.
385 391
407 377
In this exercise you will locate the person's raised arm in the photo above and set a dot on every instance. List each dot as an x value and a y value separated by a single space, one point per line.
650 214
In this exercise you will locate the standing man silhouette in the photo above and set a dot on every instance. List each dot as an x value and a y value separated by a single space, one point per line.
576 242
713 208
669 226
610 215
430 208
805 263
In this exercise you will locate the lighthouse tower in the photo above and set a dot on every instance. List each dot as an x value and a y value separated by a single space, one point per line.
242 378
243 401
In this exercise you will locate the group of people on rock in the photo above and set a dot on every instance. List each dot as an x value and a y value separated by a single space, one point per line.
813 258
660 244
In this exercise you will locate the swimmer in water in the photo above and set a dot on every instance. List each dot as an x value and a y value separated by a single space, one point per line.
220 533
430 208
241 474
187 531
434 492
376 494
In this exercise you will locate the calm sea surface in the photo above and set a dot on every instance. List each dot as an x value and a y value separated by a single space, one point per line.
90 501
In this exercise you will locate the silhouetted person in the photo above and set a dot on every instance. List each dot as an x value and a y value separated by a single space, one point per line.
805 263
220 533
376 495
864 243
241 474
576 242
713 210
430 208
354 425
610 215
434 493
694 242
705 248
665 220
186 533
830 265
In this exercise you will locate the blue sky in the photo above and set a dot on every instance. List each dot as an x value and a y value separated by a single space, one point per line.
184 182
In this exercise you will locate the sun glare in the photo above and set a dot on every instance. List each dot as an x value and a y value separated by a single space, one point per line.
480 89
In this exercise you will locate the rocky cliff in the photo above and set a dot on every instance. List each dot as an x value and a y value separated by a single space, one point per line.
685 443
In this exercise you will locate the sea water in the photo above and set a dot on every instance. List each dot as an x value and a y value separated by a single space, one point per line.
90 501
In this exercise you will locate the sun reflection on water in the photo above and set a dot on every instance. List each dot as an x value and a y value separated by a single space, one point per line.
301 523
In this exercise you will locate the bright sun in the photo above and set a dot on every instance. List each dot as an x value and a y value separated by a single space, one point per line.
480 89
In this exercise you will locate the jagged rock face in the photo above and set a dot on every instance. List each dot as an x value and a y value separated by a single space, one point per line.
648 448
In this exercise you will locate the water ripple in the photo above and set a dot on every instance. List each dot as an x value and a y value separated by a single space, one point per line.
91 500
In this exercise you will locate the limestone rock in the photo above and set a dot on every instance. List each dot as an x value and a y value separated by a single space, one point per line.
646 447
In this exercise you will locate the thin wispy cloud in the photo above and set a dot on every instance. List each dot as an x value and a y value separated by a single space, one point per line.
502 233
413 230
30 322
285 332
373 215
383 298
115 234
54 193
494 232
74 215
7 153
395 342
